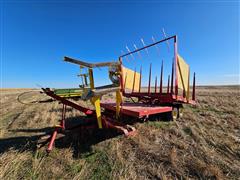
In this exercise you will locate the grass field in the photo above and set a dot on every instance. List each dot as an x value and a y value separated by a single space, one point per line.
204 144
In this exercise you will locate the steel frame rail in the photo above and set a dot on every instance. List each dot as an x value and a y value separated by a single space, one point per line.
161 97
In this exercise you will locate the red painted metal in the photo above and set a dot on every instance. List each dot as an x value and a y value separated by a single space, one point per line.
176 66
127 130
150 103
172 86
172 77
161 79
162 98
67 102
54 135
149 80
137 109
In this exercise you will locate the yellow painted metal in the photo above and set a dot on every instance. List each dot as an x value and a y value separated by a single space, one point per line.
90 71
118 102
71 94
188 90
95 100
128 79
96 103
183 74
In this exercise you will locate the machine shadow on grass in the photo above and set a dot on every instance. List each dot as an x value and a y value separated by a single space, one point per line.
22 143
79 139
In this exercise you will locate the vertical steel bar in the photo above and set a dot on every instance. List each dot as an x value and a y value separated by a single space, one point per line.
172 77
149 80
161 78
121 76
90 71
176 66
50 146
140 81
156 84
168 84
121 81
134 80
85 80
193 93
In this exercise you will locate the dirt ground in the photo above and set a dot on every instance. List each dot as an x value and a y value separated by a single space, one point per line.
203 144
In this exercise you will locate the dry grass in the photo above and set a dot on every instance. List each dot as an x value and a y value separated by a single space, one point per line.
204 144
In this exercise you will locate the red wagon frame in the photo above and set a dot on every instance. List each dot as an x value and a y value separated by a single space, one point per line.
149 103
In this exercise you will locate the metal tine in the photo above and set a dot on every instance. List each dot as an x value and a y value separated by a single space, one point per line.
129 52
149 81
140 80
161 78
144 45
134 80
165 36
193 93
168 83
172 77
155 84
154 41
139 54
131 55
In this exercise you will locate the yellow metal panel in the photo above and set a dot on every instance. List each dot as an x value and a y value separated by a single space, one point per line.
96 102
183 74
188 88
118 102
128 79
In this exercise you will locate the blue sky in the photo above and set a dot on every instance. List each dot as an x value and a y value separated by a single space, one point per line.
35 35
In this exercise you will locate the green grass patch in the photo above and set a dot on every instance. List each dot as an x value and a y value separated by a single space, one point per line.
74 168
100 165
159 124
